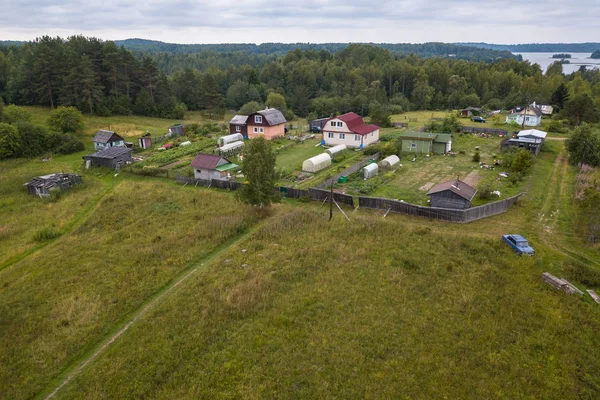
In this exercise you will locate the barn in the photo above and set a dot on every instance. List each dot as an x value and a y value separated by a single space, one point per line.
452 194
41 185
111 157
317 163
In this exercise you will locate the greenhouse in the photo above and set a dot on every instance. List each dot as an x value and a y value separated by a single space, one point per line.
224 140
335 150
370 171
231 149
390 163
316 163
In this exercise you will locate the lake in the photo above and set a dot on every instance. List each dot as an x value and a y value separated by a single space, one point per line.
577 60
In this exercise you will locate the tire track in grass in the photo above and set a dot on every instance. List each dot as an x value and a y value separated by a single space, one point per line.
78 366
77 221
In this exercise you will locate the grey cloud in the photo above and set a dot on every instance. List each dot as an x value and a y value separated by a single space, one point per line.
451 20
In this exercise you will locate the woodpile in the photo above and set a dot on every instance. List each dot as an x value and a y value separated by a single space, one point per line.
560 284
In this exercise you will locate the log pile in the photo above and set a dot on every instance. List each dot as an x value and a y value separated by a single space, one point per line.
560 284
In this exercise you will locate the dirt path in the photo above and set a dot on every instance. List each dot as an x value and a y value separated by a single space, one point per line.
77 221
79 365
173 164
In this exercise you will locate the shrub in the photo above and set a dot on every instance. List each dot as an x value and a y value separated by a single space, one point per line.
70 144
66 119
476 157
485 189
45 234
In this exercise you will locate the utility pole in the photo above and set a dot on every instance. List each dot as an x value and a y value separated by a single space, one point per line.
331 202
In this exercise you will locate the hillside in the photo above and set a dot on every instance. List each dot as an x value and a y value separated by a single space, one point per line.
537 47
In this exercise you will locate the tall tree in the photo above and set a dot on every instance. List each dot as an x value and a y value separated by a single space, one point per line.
259 170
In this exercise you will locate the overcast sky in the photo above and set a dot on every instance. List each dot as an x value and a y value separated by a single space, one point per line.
317 21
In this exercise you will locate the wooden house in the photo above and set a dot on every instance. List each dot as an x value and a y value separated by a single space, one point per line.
534 145
452 194
211 166
470 111
426 142
42 185
238 125
268 123
104 139
111 157
530 116
351 130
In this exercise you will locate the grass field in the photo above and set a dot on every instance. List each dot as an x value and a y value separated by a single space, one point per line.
154 290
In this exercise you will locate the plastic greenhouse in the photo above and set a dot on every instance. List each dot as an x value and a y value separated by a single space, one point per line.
231 149
335 150
390 163
317 163
370 171
223 140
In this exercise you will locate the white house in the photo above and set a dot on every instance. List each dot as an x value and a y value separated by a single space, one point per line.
351 130
531 115
211 166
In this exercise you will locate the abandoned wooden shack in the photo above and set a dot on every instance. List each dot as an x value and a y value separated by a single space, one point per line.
452 194
176 130
145 142
533 145
42 185
111 157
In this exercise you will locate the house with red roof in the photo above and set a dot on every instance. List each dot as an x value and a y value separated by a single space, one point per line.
211 166
351 130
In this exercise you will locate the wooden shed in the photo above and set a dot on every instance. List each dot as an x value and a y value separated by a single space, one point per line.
41 185
417 142
111 157
452 194
145 142
442 143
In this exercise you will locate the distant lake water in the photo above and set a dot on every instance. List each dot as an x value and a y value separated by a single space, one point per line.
576 60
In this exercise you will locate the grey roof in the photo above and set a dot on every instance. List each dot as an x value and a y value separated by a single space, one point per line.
273 116
104 136
238 120
49 181
110 152
457 186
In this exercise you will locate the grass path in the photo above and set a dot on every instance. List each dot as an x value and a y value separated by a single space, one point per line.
75 223
79 365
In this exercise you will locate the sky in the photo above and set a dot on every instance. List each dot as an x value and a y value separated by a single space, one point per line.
315 21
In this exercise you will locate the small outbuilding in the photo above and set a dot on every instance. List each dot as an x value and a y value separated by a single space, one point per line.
111 157
532 134
533 145
442 143
104 139
317 125
452 194
390 163
370 171
145 142
231 149
223 140
470 111
211 166
336 150
176 130
317 163
41 185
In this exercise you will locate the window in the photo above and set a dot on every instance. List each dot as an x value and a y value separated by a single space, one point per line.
413 145
330 135
342 136
340 124
333 123
262 130
372 134
238 128
356 138
255 130
258 119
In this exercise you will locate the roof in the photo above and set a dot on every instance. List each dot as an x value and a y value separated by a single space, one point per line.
110 152
525 140
355 123
472 109
533 132
418 135
443 138
48 181
273 116
207 161
239 120
457 186
226 167
104 136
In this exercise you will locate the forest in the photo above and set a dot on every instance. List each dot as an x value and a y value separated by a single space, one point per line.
99 77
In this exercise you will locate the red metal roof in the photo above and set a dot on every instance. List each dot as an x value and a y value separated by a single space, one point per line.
207 161
356 124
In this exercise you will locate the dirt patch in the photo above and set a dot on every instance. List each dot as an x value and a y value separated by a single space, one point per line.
472 178
426 186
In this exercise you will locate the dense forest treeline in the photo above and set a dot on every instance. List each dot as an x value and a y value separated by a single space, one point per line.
100 77
587 47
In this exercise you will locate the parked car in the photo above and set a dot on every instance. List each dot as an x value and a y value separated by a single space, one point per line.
315 129
518 244
478 119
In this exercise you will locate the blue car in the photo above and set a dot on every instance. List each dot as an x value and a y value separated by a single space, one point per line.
518 244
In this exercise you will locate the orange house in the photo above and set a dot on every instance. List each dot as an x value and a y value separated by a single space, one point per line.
268 123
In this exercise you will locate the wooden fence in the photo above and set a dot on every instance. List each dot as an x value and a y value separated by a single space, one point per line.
348 171
322 195
445 214
481 129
